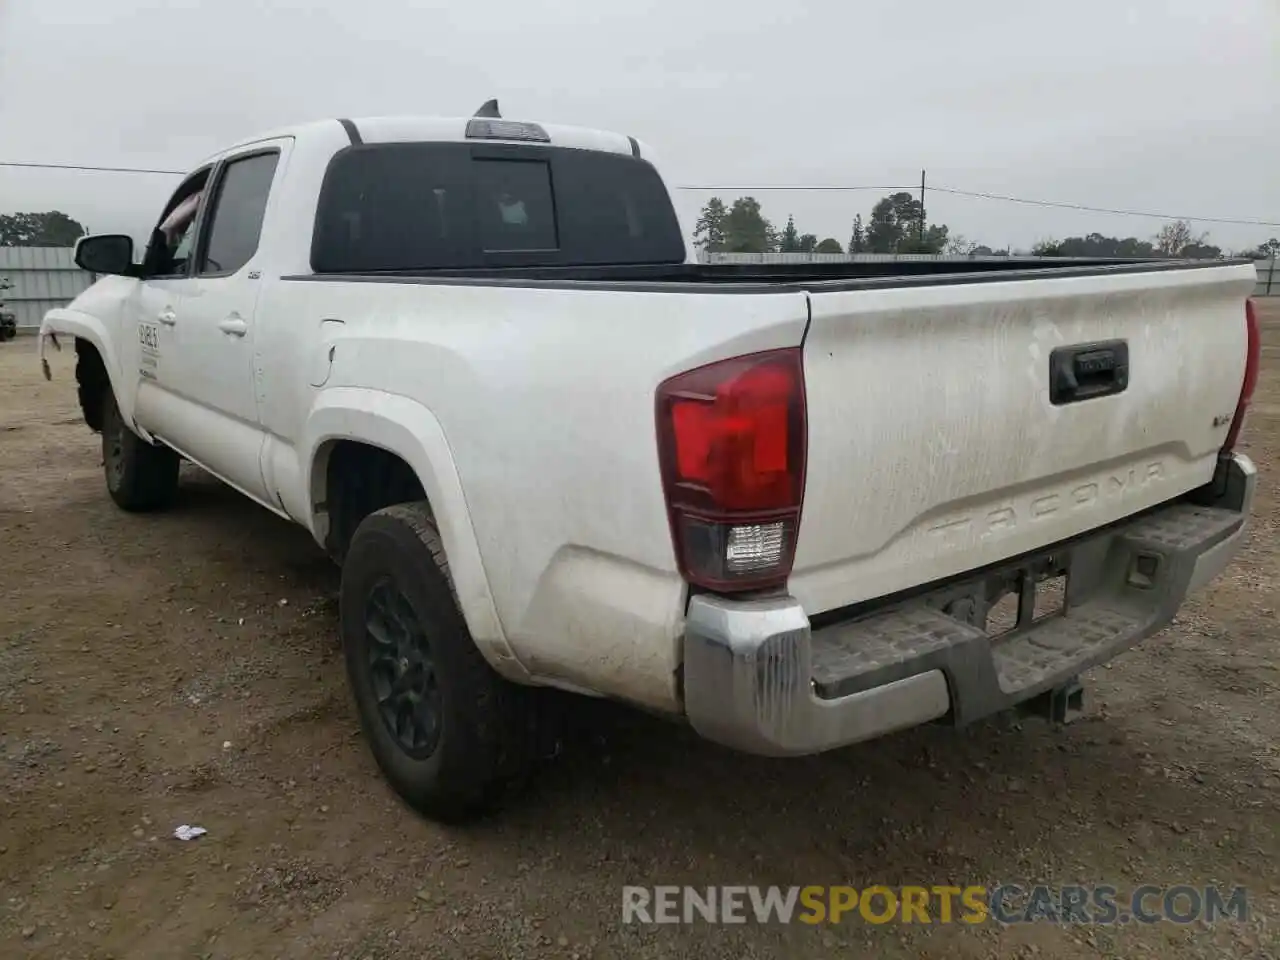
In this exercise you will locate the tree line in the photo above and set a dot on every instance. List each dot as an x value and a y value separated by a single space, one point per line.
1173 240
898 224
50 229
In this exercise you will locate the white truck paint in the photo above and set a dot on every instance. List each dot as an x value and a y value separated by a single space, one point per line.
523 400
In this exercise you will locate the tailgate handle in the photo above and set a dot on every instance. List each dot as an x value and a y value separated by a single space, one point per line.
1085 371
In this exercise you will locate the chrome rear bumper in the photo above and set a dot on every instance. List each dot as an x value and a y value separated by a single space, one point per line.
759 679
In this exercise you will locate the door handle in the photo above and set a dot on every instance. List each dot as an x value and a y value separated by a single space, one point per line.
167 317
234 326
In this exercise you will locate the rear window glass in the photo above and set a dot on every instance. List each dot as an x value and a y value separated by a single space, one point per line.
433 206
514 209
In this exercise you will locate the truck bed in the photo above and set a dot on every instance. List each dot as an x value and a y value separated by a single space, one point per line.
774 277
935 443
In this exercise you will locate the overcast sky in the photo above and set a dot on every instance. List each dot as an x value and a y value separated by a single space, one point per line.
1162 105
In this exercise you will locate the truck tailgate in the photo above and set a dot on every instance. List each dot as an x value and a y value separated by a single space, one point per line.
936 443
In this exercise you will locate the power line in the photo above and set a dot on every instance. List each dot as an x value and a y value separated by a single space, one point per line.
761 188
783 186
76 166
1121 212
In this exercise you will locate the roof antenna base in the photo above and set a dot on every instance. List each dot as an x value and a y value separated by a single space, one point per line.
489 109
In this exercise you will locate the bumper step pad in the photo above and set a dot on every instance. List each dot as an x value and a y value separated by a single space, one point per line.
1109 608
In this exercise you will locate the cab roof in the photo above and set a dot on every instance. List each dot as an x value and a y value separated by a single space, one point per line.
401 129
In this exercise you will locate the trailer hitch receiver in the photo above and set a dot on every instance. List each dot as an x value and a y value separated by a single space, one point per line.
1062 704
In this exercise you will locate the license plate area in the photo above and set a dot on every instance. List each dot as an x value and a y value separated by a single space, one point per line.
1028 597
1011 599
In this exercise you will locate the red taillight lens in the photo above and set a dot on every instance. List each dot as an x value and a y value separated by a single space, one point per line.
731 442
1253 357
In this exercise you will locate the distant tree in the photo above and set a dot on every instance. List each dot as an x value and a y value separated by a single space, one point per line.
51 229
858 239
708 232
1200 251
1176 237
933 241
1133 247
1095 245
789 239
746 230
981 250
808 243
829 245
895 227
1263 251
891 219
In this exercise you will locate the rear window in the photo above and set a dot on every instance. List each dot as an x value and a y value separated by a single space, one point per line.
437 206
514 208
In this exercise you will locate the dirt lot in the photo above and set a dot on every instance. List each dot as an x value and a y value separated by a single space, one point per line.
184 669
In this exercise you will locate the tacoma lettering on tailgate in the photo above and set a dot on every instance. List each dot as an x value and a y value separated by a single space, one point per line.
1005 517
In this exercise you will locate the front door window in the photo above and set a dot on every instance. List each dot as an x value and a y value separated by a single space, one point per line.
173 239
178 231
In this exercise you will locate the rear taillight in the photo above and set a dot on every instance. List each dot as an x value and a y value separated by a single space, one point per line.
731 443
1252 358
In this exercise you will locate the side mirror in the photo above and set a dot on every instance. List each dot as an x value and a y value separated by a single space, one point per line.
110 253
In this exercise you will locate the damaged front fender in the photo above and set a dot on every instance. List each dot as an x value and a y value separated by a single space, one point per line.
46 336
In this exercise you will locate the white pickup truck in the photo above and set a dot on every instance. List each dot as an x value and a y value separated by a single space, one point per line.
797 506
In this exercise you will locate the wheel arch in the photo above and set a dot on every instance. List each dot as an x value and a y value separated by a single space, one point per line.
98 363
407 430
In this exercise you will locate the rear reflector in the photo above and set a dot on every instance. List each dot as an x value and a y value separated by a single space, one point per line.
731 442
1253 356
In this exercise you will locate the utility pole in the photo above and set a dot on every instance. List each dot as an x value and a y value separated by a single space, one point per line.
921 237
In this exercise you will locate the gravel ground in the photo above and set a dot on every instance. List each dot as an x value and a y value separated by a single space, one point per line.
184 668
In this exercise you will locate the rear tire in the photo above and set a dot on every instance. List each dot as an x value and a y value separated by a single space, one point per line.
140 476
451 736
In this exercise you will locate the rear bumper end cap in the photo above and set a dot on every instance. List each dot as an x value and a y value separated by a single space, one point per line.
748 684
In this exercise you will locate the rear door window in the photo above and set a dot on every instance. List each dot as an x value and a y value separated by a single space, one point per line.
393 207
239 207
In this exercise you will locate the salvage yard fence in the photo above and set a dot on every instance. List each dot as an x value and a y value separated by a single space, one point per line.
42 278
